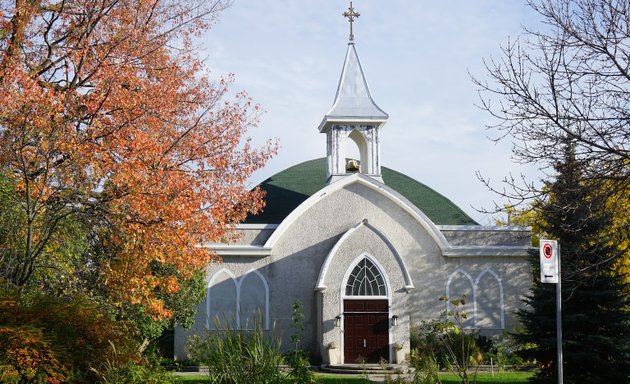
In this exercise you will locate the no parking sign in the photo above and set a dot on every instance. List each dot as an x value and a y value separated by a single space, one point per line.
549 254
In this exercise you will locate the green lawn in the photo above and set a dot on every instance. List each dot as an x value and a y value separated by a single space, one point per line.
192 379
498 378
482 378
337 379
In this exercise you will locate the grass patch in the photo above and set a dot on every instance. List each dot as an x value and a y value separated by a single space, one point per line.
498 378
193 379
338 379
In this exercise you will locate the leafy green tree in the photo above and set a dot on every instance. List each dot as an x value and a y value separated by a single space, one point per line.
595 318
62 264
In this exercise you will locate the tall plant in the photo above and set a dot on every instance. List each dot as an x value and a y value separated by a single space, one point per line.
234 356
297 358
458 342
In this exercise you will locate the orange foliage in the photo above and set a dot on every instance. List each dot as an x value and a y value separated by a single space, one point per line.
29 358
48 340
105 111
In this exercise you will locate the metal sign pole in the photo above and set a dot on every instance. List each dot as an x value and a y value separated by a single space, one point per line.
559 320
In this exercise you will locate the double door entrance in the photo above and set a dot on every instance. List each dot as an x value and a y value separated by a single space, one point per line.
366 331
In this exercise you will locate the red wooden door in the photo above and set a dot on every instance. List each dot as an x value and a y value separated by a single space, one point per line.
366 331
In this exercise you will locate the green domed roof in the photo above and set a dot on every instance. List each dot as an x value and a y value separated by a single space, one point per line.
289 188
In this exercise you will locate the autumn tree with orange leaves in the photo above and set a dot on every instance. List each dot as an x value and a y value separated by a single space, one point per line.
109 120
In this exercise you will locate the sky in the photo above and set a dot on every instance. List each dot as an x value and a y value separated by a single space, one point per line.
418 57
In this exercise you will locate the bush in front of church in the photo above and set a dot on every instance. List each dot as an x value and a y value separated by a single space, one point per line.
238 356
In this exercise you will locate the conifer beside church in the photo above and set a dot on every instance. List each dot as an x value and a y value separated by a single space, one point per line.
595 302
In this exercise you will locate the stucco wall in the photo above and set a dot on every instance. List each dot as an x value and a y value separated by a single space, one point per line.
481 235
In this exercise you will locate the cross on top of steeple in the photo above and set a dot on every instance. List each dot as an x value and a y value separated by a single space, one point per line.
351 14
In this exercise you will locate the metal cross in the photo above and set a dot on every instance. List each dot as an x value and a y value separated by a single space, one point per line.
351 14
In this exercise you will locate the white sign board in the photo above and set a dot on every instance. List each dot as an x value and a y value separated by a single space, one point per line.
549 254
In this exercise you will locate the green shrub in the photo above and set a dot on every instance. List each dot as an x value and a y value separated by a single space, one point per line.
426 369
236 357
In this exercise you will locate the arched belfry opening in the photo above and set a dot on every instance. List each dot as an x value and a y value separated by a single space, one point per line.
357 141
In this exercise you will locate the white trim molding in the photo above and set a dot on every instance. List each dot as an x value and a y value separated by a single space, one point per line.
239 250
369 182
484 228
256 226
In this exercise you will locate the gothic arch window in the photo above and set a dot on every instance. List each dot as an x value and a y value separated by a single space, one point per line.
253 300
222 300
489 301
460 284
237 303
366 279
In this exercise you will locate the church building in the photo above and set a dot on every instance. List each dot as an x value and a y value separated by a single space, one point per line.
368 251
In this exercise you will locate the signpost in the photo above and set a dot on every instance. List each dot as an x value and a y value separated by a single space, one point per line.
550 273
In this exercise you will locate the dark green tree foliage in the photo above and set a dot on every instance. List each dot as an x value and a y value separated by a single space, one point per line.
595 317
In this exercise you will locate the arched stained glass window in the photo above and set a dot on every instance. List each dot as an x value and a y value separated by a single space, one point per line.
366 280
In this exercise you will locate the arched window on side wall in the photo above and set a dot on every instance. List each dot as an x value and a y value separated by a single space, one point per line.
237 304
460 284
253 300
221 300
489 301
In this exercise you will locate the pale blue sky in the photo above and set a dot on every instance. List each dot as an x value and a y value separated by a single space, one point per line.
417 55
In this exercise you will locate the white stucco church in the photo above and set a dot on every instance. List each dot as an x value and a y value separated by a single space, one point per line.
367 250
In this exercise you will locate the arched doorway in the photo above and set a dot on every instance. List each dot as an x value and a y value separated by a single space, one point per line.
365 313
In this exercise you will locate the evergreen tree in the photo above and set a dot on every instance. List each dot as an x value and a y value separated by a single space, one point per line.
595 316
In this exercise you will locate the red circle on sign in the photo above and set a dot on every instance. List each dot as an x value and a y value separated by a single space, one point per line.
547 251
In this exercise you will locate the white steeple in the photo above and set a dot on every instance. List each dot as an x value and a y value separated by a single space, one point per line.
354 115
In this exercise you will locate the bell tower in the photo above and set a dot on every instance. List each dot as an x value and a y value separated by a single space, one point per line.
354 116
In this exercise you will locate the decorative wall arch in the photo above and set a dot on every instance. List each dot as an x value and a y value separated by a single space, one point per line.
222 299
258 300
489 312
463 285
486 309
235 300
